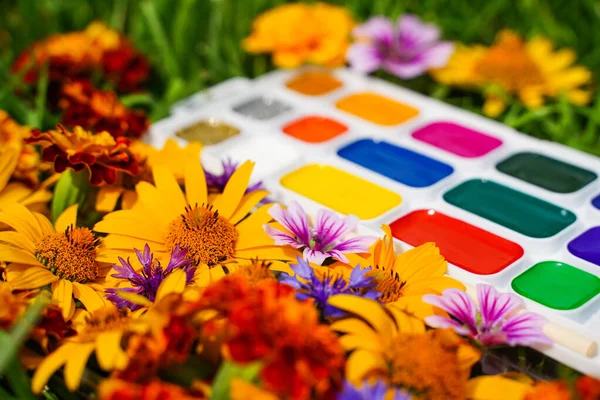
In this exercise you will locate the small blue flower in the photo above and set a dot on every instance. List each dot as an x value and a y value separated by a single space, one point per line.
147 281
320 288
377 391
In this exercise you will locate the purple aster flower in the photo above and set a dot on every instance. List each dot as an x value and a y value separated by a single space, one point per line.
147 281
217 182
377 391
310 286
406 50
494 322
325 239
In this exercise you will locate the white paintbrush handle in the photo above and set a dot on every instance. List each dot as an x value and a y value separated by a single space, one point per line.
560 335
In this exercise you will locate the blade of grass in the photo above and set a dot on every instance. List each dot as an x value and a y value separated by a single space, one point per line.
37 117
161 41
19 381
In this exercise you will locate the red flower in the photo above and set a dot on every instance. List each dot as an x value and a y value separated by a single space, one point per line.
99 110
301 358
125 67
588 388
115 389
101 154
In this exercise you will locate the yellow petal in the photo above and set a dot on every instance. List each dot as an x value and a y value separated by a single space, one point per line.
195 182
421 262
76 365
32 278
251 232
493 106
108 347
288 59
405 322
45 224
17 240
107 197
50 365
91 299
369 310
167 184
249 201
62 294
129 199
22 220
127 242
134 298
496 388
152 203
351 342
228 202
67 218
129 223
9 253
174 283
361 364
14 192
9 158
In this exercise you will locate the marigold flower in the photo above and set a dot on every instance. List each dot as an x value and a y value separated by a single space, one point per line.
99 110
302 33
101 154
531 71
28 165
588 388
116 389
80 54
13 305
300 357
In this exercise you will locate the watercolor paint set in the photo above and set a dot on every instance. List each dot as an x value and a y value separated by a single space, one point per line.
504 208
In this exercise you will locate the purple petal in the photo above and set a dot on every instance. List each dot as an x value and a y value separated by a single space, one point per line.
378 29
330 228
415 35
281 238
406 69
338 255
437 56
315 256
302 269
525 329
293 219
364 58
125 270
495 306
358 278
437 321
358 244
456 303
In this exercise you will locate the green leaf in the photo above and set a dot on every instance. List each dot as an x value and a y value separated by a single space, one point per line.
40 99
71 188
19 380
230 370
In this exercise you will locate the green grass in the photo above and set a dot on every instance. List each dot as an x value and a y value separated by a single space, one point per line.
196 43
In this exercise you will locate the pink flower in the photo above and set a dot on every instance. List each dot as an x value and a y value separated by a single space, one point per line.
407 51
494 322
324 240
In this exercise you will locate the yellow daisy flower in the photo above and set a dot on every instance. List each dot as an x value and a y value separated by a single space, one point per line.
531 70
169 157
389 344
216 235
403 279
64 256
101 332
300 33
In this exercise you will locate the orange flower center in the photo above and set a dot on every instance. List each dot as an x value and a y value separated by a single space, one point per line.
70 254
509 65
256 272
388 283
414 363
208 237
104 319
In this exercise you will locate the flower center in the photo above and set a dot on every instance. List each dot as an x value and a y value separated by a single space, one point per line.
387 282
104 319
208 237
255 272
414 361
70 255
508 65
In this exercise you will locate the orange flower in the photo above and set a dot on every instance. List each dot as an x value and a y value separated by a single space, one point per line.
300 357
79 54
13 305
302 33
549 391
99 110
588 388
28 164
116 389
101 154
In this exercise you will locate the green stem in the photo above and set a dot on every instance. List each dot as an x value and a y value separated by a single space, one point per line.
19 381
